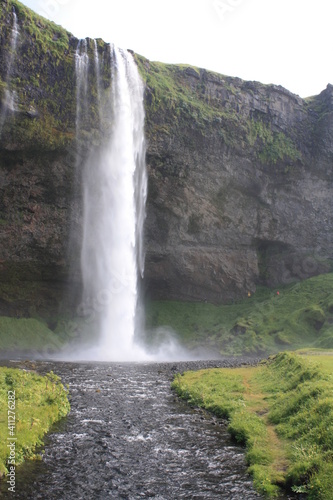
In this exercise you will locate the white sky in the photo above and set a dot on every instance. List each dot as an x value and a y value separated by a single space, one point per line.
286 42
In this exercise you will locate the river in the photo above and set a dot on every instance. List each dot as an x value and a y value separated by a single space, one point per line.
128 436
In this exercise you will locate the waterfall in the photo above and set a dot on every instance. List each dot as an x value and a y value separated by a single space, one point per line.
81 71
98 81
114 195
9 101
15 33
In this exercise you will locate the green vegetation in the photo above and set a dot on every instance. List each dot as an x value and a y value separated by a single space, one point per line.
35 335
50 37
190 101
181 102
301 315
178 96
168 86
30 334
43 59
283 411
39 402
265 323
273 146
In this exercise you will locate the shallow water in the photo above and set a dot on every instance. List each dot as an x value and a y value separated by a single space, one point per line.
129 437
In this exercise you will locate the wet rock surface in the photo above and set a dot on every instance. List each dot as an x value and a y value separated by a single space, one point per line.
129 436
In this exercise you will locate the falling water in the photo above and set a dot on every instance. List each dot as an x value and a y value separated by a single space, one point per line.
98 80
114 200
81 70
10 98
15 33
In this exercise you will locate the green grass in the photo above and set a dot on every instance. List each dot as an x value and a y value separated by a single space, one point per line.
283 411
29 334
273 146
32 335
50 37
301 315
175 101
39 402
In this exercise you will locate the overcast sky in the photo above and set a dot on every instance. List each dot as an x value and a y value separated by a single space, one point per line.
286 42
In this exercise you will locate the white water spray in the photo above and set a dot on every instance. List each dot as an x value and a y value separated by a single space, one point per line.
114 200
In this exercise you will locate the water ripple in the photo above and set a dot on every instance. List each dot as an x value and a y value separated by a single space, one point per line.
129 437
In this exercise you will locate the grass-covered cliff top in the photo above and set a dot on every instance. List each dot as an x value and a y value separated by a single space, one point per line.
178 96
39 77
50 37
182 96
170 84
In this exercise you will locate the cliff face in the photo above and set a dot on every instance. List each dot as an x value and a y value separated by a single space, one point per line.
240 176
37 161
240 186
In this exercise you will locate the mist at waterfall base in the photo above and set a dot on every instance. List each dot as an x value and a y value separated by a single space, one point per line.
114 181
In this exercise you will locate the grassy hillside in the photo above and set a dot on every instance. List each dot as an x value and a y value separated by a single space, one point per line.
26 334
265 323
299 315
283 412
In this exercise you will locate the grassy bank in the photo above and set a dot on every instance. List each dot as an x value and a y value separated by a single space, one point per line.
29 405
267 322
283 411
